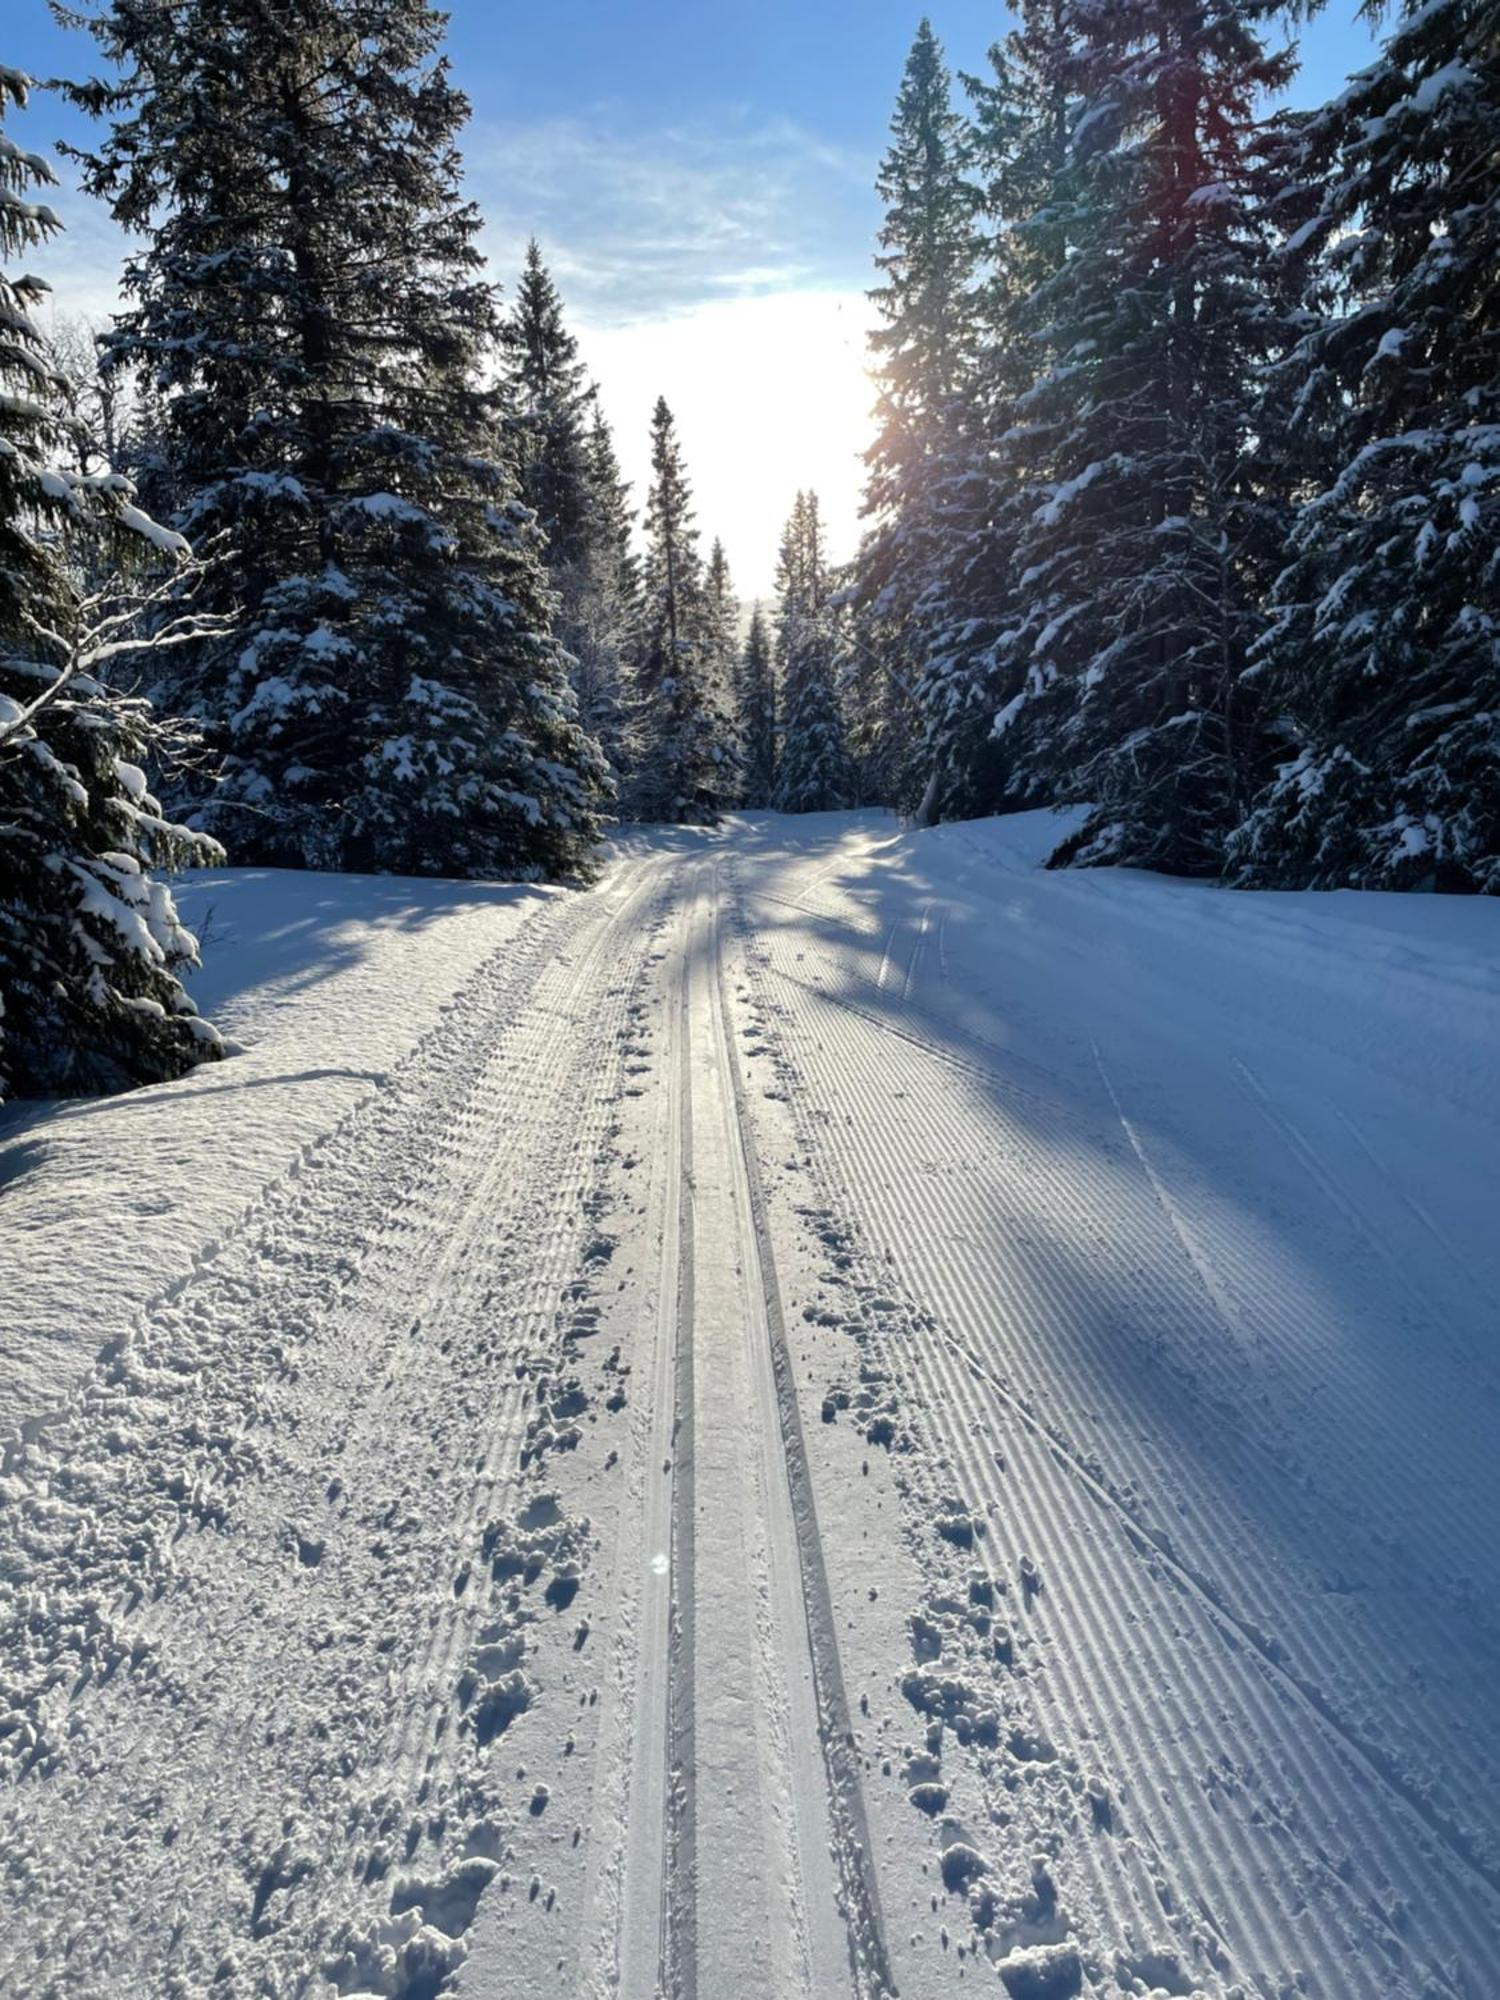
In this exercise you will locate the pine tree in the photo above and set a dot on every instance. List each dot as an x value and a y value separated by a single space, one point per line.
920 462
755 708
684 769
814 774
1381 665
90 941
1152 533
311 307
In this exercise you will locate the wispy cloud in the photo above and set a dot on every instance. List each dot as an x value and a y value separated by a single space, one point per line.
636 224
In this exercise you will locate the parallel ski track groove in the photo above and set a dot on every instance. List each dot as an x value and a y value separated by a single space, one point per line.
627 1906
869 1960
679 1902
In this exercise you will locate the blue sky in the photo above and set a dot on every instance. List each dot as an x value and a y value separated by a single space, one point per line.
700 177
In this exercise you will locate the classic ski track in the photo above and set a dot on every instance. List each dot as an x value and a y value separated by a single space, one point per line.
661 1937
630 1923
672 1790
1312 1837
868 1959
957 1414
397 1357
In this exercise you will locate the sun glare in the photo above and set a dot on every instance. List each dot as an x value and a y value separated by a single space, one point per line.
771 394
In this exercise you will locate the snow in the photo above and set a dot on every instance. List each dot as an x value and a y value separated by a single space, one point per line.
1452 76
167 540
389 507
839 1413
1068 490
322 982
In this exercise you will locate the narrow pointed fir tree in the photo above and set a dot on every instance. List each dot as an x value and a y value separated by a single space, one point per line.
814 773
1154 531
721 612
1381 664
722 617
91 947
310 308
548 407
597 619
917 492
684 768
887 742
755 707
570 479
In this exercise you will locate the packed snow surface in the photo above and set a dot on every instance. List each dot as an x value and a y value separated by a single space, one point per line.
836 1415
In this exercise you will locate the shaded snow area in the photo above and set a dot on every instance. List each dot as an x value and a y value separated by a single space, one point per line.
838 1415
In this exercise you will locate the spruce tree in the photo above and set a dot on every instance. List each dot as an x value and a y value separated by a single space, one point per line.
599 603
684 768
886 738
1381 664
311 307
91 946
920 462
722 620
814 773
1022 116
721 611
756 712
1151 534
570 478
548 406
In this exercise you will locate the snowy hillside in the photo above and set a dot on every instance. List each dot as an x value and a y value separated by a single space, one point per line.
836 1415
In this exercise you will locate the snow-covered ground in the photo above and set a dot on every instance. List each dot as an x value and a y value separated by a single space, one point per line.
837 1415
324 982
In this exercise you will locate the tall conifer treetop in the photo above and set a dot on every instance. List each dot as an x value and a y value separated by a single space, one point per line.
549 401
757 713
311 306
814 772
925 350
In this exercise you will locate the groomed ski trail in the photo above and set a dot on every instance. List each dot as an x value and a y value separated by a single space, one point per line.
855 1420
739 1862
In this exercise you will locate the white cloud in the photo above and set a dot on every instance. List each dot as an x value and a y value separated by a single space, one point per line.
649 222
696 264
770 394
719 265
